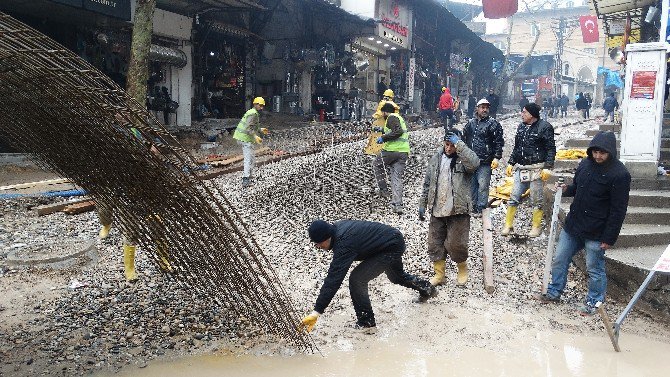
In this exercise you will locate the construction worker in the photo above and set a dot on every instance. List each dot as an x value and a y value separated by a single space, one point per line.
601 189
446 196
533 154
246 135
393 156
484 135
446 108
379 247
372 148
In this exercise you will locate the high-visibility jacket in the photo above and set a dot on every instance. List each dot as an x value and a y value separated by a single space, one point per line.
400 144
248 127
378 113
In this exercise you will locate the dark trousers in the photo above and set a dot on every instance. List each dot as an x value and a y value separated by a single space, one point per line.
389 262
448 236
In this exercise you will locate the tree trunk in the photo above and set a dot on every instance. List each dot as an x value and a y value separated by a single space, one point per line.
138 69
506 78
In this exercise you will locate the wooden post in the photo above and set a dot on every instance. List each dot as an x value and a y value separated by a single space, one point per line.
488 250
608 325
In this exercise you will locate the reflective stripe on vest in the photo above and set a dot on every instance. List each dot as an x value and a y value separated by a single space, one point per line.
243 127
400 144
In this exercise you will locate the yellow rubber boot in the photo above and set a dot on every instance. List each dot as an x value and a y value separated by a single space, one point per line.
462 276
439 267
536 228
129 262
104 231
509 221
163 262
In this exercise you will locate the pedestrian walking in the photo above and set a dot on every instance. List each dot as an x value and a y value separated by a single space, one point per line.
494 101
601 189
446 108
472 103
534 152
446 197
610 105
484 135
246 135
581 104
379 247
393 157
565 102
589 104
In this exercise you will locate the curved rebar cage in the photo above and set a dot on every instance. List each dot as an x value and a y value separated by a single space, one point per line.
75 121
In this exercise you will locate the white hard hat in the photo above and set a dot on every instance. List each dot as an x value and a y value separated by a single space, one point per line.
483 101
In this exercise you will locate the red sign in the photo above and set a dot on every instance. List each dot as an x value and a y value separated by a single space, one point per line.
499 8
589 26
393 25
643 84
544 83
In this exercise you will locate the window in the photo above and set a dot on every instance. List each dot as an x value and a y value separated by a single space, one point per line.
566 69
500 45
569 4
534 30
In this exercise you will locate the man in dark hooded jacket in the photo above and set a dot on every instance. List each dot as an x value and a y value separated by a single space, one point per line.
600 187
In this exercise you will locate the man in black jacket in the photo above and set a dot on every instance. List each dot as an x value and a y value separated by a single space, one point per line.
494 102
534 153
379 247
601 187
484 135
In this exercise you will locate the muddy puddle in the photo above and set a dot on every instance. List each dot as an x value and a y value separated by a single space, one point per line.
544 354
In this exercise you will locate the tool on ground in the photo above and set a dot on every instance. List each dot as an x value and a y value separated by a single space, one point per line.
487 258
608 325
552 235
662 265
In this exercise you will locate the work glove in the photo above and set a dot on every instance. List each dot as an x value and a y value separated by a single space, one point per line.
309 321
494 163
264 131
508 170
422 214
380 140
377 129
258 139
545 174
453 138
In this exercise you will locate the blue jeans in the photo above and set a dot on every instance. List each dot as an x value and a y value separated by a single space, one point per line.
481 180
568 246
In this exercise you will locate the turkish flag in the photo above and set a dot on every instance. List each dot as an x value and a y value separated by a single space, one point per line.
589 26
499 8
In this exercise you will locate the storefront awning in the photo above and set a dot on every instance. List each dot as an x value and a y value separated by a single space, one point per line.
603 7
193 7
171 56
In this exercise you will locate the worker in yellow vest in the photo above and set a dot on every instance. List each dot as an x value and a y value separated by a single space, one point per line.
372 148
393 157
246 135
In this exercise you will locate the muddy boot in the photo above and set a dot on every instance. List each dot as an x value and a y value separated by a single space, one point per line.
462 275
509 221
438 278
426 294
537 224
129 262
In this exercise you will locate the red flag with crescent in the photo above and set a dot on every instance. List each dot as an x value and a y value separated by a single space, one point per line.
499 8
589 26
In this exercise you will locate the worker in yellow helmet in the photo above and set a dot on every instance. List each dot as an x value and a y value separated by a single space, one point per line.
246 135
372 148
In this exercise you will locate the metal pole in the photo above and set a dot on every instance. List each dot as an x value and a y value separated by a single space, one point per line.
629 307
552 236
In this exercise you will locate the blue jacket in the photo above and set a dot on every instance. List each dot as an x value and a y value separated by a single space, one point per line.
356 241
610 104
601 194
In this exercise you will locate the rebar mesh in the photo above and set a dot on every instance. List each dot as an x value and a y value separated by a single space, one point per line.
73 120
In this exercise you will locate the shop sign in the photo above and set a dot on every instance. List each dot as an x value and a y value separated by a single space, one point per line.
396 20
410 79
114 8
544 83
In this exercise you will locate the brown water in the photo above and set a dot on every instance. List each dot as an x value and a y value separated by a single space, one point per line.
541 354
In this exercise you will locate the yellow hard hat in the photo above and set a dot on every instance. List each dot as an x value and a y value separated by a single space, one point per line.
388 93
444 89
259 100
